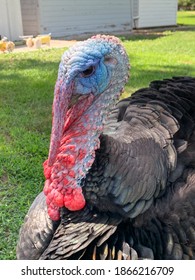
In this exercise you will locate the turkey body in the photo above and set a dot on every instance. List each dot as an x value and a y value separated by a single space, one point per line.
140 190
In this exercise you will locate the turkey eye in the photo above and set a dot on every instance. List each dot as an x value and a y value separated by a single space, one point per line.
88 72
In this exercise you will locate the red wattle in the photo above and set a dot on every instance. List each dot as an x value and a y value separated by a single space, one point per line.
53 213
47 187
66 164
74 199
58 199
46 169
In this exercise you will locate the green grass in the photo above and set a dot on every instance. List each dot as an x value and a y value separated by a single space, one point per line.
26 92
186 18
157 56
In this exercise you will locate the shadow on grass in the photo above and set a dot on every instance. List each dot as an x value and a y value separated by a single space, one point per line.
26 76
26 63
155 33
142 36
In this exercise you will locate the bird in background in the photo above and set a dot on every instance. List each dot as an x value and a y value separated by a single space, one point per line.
120 175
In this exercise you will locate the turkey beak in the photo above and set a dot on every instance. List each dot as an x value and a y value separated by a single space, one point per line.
62 96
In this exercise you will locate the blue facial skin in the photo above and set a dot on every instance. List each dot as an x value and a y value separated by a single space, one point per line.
87 56
96 82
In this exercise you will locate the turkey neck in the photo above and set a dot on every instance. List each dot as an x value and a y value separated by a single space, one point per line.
77 153
81 139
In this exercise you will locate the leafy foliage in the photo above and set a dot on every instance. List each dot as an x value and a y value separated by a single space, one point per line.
186 4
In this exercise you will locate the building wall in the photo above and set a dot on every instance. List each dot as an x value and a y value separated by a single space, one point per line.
135 5
10 19
64 17
135 12
153 13
30 17
69 17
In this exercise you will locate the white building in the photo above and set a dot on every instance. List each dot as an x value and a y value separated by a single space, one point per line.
154 13
11 24
70 17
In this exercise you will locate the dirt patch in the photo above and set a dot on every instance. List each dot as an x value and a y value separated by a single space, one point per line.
20 47
53 44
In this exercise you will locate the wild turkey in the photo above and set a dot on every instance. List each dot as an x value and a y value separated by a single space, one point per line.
120 179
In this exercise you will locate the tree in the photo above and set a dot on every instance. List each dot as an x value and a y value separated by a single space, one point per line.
186 4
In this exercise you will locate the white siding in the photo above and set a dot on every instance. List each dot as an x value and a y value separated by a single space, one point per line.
30 17
64 17
135 13
135 4
153 13
10 19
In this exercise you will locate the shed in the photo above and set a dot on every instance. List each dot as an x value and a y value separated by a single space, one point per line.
65 17
10 19
154 13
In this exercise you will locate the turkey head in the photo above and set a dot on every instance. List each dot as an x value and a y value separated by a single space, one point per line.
91 76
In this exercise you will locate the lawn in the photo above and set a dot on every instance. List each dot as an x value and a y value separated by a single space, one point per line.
186 18
26 92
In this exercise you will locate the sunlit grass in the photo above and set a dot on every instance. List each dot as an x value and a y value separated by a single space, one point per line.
186 18
160 56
